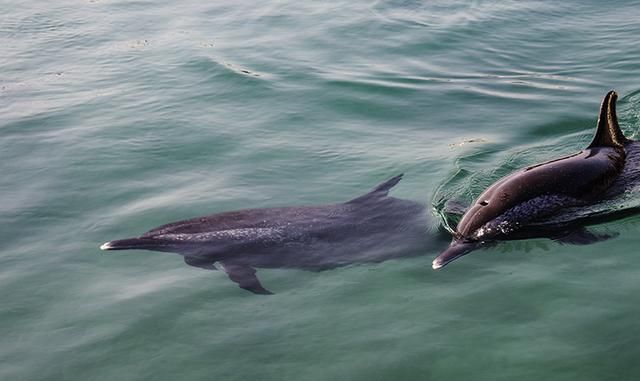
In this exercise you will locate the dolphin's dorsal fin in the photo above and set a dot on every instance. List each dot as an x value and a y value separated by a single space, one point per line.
608 133
381 190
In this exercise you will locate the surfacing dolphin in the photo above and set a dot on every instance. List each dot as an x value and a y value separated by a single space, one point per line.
511 206
371 228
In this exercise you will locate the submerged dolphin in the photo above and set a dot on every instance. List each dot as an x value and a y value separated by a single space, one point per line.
371 228
520 200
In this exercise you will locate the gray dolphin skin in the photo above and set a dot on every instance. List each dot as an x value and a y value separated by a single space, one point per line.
371 228
507 208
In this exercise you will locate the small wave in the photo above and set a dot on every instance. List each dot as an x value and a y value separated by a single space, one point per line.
451 13
216 66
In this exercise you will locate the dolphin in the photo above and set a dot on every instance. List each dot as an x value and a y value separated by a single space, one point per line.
514 205
371 228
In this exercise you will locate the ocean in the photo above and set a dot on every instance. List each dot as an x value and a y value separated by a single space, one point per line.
119 116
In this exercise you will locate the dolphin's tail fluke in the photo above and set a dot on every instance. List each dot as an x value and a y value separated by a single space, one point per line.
455 250
133 244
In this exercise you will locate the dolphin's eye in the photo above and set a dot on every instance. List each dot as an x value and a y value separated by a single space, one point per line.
484 203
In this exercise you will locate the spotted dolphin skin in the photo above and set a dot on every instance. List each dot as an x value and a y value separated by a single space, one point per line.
534 193
370 228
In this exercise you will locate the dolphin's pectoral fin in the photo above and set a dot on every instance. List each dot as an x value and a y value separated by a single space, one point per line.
202 263
583 237
245 277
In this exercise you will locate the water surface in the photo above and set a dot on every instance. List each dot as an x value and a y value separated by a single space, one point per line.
118 116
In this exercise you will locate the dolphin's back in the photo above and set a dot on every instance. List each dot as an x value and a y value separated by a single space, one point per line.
265 226
271 217
241 219
544 188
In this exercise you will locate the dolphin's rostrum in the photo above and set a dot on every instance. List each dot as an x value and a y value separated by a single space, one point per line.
539 191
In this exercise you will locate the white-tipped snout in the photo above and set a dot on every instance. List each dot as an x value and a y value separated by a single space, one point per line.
455 250
105 246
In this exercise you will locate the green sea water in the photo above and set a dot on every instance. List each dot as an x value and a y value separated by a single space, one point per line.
119 116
